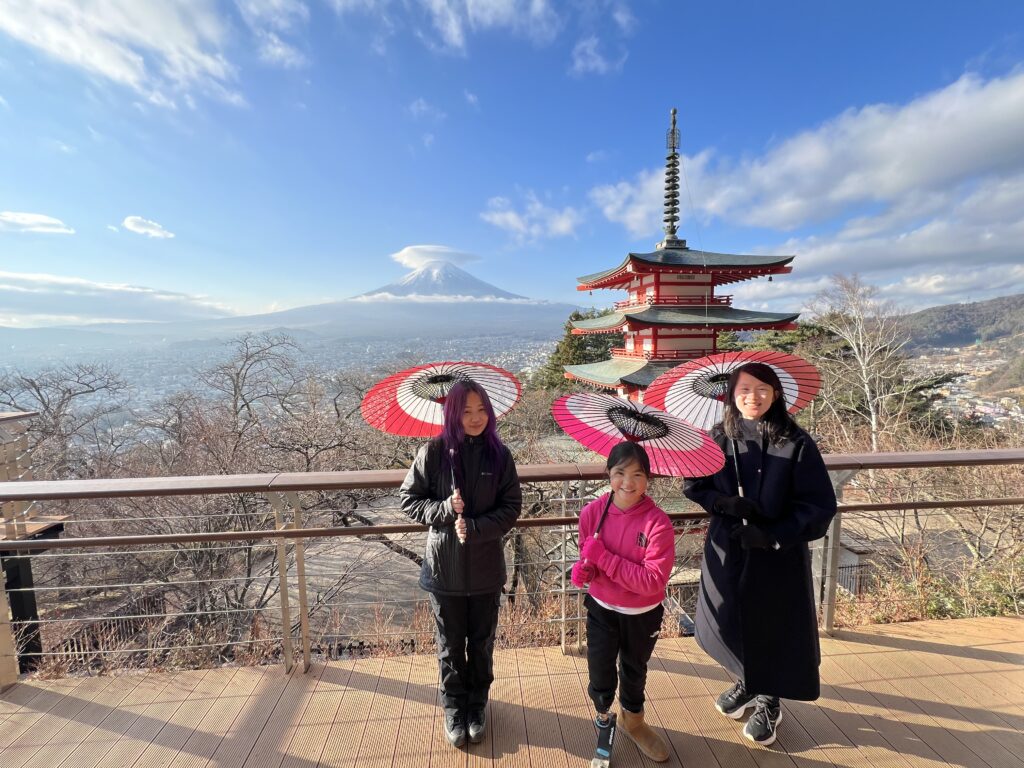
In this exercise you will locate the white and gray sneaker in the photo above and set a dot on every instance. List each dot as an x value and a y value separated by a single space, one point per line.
734 702
762 726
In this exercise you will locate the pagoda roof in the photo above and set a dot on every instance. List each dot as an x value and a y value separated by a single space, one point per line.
612 373
683 316
665 259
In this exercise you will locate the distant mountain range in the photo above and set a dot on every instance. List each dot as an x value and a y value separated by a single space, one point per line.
436 300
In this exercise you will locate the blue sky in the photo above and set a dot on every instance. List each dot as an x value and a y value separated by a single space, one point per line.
172 159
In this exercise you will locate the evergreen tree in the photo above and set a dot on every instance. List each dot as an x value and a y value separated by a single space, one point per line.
575 349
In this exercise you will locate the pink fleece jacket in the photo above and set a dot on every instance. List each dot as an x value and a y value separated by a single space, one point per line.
641 549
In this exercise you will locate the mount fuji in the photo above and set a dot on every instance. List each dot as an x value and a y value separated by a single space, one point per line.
439 280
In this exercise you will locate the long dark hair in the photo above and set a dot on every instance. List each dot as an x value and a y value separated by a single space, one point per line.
453 434
778 424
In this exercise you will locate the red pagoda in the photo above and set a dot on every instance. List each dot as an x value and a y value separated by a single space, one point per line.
671 313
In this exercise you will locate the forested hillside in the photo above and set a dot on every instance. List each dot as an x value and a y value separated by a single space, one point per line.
957 325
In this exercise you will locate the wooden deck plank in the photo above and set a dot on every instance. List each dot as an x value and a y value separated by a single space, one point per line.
543 735
50 723
417 724
377 749
60 744
19 695
97 744
918 695
346 734
310 736
890 670
169 740
272 745
929 736
151 718
203 742
508 726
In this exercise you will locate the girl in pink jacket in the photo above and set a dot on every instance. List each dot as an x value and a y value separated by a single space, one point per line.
627 548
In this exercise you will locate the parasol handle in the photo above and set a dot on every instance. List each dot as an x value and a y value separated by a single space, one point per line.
739 482
456 493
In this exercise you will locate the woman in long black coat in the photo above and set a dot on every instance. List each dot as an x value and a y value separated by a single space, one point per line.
755 612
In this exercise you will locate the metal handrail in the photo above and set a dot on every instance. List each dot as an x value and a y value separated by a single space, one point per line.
281 482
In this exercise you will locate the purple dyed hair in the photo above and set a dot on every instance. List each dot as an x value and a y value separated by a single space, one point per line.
453 434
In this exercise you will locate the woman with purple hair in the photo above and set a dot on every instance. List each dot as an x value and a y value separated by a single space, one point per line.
464 486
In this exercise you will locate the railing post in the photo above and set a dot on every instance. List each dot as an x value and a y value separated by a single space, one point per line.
8 648
564 560
300 574
282 567
828 613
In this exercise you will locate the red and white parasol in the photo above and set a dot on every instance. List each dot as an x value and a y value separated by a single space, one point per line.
411 403
599 422
695 390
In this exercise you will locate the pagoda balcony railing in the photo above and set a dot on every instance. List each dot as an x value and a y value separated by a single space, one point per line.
667 354
675 301
329 572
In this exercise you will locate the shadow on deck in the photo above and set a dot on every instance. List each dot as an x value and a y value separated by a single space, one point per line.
922 694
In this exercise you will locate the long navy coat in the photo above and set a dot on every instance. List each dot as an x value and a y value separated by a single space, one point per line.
755 612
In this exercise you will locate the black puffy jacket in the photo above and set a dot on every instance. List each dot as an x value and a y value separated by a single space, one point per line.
493 500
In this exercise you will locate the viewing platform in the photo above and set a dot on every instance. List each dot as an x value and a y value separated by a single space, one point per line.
929 693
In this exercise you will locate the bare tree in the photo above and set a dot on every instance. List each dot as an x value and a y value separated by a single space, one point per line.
866 375
75 403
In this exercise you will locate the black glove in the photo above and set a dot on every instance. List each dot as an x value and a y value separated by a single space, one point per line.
753 537
737 506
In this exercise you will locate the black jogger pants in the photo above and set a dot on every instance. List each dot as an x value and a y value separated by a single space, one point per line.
466 627
624 638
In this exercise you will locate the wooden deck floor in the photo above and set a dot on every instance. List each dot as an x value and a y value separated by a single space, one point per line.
923 694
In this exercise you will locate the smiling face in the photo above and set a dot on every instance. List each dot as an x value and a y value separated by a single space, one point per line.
752 397
629 483
474 416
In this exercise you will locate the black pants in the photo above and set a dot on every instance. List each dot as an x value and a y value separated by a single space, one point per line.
627 639
466 627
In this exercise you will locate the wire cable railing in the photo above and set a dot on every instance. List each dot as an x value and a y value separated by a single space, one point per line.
299 576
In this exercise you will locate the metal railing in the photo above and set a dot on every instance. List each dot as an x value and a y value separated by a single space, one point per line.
314 563
675 301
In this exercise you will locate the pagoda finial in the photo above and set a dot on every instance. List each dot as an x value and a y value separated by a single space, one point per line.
672 188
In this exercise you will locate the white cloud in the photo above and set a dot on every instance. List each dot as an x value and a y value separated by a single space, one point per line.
624 18
3 103
637 204
269 20
112 228
534 221
141 226
588 58
440 298
41 299
920 199
471 99
453 21
273 50
421 109
597 156
281 15
161 49
13 221
415 256
879 155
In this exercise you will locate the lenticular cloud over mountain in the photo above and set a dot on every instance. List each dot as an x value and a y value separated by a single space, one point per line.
416 256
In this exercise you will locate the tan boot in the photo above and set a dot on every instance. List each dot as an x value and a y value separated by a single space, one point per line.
651 742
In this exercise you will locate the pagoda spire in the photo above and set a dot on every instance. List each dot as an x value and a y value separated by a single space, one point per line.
671 217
